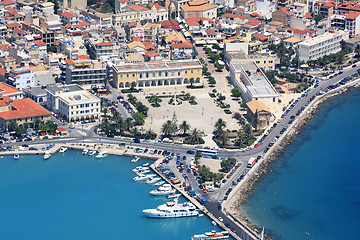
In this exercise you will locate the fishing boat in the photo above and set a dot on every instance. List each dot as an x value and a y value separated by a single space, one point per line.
172 210
92 153
145 164
174 195
85 151
159 183
211 235
134 160
47 155
101 154
16 156
63 149
152 180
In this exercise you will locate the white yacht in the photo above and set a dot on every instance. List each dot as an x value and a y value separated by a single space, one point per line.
159 183
85 151
135 170
143 171
172 210
63 149
211 235
152 180
16 156
101 154
163 190
92 153
145 164
135 159
47 155
174 195
141 177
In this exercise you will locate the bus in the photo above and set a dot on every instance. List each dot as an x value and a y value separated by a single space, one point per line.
208 152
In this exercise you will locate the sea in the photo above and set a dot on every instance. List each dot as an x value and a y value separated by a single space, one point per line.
312 190
72 196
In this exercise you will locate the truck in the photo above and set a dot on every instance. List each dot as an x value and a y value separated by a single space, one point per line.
251 162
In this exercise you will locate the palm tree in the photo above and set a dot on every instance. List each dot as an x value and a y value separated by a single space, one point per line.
149 133
128 124
37 123
120 124
184 127
220 123
168 128
195 136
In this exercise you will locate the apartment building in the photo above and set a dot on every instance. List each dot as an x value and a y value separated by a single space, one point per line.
198 8
157 73
325 44
72 102
348 21
22 78
252 83
263 61
98 49
11 92
85 72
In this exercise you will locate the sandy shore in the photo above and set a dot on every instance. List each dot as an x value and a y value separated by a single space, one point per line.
244 190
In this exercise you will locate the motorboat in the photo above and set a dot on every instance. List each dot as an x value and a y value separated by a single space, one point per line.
159 183
85 151
134 160
137 169
92 153
145 164
143 171
172 210
165 187
163 190
152 180
16 156
174 195
47 155
141 177
101 154
211 235
63 149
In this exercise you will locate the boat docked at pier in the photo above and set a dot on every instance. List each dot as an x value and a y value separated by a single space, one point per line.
16 156
92 153
172 210
134 160
85 151
63 149
212 235
159 183
163 190
152 180
143 177
101 154
174 195
47 155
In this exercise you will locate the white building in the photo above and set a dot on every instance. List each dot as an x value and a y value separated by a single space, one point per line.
325 44
72 102
22 78
348 21
252 82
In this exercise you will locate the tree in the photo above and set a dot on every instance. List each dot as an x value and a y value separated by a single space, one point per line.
133 85
12 126
51 48
139 118
168 128
173 15
128 124
43 127
195 136
318 18
236 92
184 127
91 2
220 123
20 130
37 123
192 80
219 66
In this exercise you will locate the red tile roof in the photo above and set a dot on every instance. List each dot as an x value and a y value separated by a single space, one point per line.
182 45
352 15
139 8
6 89
67 14
84 23
210 32
2 72
149 45
309 15
172 24
13 25
24 108
69 61
254 21
19 31
285 10
105 44
230 15
157 6
259 36
6 2
151 54
83 57
40 43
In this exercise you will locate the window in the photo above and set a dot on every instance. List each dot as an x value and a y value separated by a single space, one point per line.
192 71
133 74
127 75
185 72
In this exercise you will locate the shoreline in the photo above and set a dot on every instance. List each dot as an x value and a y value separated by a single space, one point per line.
244 190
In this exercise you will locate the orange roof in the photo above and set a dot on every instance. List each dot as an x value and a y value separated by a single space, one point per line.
84 57
182 45
7 89
19 31
67 14
139 8
84 23
260 36
69 61
157 6
137 39
6 2
231 15
352 15
197 5
4 47
13 25
40 43
105 44
2 72
149 45
210 32
151 54
308 15
24 108
285 10
12 11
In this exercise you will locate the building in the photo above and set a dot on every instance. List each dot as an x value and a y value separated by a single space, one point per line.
263 61
252 83
162 73
11 92
21 111
325 44
22 78
80 4
72 102
99 49
324 8
37 94
85 72
282 16
198 8
258 113
348 21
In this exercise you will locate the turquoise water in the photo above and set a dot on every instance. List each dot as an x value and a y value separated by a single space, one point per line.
72 196
313 191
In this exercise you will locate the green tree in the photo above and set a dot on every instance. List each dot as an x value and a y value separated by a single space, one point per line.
192 80
139 118
91 2
43 127
37 123
133 85
219 66
12 126
236 92
184 127
168 128
51 48
51 126
220 123
318 18
173 15
20 130
195 136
